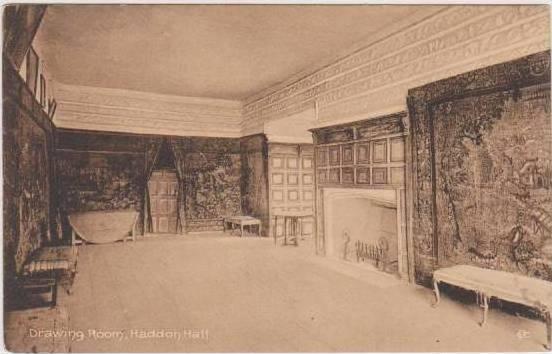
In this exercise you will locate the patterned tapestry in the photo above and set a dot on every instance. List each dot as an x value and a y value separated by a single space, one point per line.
99 181
211 173
482 153
34 189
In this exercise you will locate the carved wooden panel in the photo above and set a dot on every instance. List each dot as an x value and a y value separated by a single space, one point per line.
292 179
379 149
277 195
363 152
277 162
348 175
347 152
397 175
321 156
334 176
397 149
363 175
334 155
293 195
277 178
379 175
322 176
292 163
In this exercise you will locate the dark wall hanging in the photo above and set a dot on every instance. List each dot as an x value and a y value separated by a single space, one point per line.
482 177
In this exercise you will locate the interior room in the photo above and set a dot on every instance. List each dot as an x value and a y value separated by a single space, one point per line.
277 178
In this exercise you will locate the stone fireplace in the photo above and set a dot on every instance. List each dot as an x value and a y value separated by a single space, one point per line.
365 226
361 193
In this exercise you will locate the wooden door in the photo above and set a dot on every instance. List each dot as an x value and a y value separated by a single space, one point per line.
163 187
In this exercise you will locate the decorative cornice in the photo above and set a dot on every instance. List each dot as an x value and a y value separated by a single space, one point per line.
460 39
103 109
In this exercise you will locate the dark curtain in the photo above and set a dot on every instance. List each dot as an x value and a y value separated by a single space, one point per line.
179 162
151 154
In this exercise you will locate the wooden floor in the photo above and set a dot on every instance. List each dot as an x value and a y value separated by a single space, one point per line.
245 294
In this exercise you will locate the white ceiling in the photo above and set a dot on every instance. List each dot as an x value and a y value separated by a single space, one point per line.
218 51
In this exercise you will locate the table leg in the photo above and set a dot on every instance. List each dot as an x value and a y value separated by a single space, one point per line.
241 227
436 291
285 229
485 306
223 225
275 231
260 229
296 231
548 319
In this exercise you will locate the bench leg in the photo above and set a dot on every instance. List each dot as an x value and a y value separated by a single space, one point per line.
436 292
54 294
548 319
485 306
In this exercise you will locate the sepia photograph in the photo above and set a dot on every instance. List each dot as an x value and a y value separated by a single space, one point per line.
276 177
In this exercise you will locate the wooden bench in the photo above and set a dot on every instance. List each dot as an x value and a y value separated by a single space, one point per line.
487 283
241 222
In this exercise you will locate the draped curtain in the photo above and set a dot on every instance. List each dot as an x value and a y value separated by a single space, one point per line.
179 161
152 152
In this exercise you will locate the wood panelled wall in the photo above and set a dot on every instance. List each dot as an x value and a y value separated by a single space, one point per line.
291 183
28 170
366 153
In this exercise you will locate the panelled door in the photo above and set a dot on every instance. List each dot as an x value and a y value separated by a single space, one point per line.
163 187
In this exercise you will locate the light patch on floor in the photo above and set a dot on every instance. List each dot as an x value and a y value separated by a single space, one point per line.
246 294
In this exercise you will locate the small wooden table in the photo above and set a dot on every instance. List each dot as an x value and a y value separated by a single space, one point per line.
241 222
487 283
295 220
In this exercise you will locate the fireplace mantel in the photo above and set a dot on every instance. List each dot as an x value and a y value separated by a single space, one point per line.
364 159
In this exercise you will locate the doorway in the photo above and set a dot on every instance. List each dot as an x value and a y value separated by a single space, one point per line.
163 192
163 189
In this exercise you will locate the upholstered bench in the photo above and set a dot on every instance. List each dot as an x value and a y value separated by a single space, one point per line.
487 283
57 262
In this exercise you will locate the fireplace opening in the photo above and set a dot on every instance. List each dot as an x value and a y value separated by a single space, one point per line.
363 226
